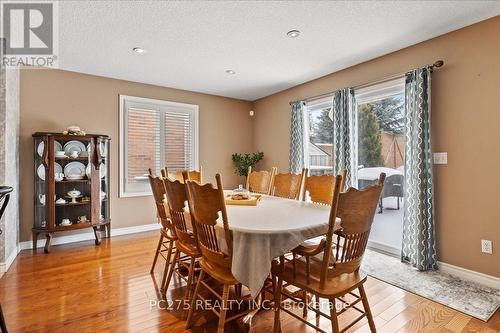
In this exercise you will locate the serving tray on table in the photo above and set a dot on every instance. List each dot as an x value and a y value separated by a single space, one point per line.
252 201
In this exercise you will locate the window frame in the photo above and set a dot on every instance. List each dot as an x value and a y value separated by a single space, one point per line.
312 105
192 108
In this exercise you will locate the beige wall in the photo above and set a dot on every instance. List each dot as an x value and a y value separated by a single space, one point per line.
465 123
54 99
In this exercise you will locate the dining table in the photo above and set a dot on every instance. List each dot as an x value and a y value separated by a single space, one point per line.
269 230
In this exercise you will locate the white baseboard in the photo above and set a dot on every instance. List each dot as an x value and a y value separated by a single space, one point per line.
467 274
90 235
463 273
4 267
384 248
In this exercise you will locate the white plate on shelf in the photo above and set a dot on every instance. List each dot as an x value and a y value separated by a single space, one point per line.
41 145
74 145
102 170
74 170
103 149
41 170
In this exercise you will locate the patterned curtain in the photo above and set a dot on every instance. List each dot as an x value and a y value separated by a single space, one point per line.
418 247
297 137
344 134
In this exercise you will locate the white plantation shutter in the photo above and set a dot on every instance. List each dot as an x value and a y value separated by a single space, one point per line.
154 134
179 140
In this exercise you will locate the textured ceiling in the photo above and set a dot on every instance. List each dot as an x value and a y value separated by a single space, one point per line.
191 44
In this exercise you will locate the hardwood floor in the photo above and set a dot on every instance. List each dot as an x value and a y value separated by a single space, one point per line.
86 288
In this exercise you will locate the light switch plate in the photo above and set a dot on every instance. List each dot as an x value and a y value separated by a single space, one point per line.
440 158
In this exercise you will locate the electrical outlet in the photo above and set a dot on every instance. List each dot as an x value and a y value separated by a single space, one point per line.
486 246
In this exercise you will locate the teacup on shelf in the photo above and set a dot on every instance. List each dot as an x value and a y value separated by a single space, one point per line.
60 154
74 154
82 219
59 177
60 201
65 222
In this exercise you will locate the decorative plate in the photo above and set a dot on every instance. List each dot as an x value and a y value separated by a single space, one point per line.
74 145
102 170
41 170
41 145
74 170
103 149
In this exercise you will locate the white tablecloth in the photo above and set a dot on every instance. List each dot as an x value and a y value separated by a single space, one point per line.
269 230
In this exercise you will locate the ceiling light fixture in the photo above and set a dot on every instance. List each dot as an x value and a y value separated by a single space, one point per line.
138 50
293 33
230 71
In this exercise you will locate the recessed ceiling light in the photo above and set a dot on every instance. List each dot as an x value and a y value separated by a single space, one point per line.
293 33
138 50
230 71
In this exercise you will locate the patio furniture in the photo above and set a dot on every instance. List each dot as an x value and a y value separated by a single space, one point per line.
393 186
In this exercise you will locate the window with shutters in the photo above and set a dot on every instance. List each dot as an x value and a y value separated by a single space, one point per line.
155 134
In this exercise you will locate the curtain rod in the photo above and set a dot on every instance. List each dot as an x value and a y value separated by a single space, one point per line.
437 64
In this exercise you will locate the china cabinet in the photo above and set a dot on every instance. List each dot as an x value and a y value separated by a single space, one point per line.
71 185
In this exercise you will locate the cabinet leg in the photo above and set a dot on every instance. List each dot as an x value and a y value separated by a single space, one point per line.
97 236
48 240
35 241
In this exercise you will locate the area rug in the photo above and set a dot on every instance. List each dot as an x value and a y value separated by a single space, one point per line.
468 297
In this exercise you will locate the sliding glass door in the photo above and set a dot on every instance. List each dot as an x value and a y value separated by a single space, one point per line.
380 148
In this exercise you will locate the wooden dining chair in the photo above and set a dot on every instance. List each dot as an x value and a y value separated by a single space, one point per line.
319 189
185 242
288 185
260 181
206 204
166 243
333 279
196 175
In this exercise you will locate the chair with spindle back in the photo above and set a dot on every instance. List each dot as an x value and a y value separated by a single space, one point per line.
166 243
334 277
186 242
206 204
260 181
288 185
317 189
196 175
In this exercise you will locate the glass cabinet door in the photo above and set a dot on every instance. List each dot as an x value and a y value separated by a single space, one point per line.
72 182
104 180
41 170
